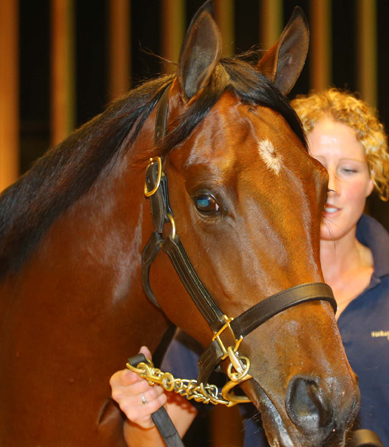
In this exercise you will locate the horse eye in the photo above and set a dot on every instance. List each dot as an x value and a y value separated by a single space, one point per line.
206 204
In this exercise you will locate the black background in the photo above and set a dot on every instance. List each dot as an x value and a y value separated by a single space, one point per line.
92 60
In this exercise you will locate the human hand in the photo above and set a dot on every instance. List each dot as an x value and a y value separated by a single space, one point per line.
136 398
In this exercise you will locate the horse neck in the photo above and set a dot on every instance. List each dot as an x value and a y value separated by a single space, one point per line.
87 268
76 311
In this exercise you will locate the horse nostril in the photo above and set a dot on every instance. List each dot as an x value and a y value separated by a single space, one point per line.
308 408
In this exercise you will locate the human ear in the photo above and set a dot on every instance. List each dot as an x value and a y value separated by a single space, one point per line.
370 187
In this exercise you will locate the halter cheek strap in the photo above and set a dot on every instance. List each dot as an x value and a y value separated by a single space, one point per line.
228 332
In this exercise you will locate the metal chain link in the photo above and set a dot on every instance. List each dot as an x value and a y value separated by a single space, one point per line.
204 393
187 388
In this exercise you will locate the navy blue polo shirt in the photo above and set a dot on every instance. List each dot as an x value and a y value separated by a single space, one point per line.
364 327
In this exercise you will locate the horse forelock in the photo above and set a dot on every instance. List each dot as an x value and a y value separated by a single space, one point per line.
249 85
30 206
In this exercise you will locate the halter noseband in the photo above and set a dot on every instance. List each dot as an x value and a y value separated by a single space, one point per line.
228 332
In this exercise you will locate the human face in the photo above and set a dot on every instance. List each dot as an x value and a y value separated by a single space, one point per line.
335 145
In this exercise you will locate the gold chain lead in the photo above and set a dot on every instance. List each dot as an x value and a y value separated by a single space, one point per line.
204 393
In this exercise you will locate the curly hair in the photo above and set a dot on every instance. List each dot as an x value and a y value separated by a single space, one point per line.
344 107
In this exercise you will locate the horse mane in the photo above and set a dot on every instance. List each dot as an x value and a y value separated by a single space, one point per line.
56 181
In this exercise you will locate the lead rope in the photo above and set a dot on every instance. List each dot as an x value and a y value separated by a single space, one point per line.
160 417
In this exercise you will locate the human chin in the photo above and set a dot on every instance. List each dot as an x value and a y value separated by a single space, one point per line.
330 231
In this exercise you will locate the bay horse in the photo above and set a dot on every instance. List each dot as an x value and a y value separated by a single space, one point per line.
247 201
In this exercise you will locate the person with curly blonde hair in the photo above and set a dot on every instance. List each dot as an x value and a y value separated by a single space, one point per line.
343 107
346 136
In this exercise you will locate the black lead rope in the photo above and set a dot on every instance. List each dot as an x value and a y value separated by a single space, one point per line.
160 417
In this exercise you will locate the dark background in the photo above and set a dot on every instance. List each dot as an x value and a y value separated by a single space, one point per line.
92 60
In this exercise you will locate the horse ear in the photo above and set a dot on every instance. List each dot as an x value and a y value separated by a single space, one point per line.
283 63
200 52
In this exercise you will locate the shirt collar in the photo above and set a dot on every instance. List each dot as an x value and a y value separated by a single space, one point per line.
374 236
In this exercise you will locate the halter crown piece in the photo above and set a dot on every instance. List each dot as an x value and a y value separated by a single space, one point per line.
228 332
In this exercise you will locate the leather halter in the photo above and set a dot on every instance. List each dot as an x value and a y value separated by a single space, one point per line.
228 332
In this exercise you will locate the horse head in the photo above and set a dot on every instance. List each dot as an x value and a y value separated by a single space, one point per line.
247 201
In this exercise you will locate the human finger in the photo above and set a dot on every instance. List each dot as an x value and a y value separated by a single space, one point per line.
146 352
140 408
124 377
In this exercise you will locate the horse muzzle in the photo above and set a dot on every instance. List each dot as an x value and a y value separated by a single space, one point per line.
311 415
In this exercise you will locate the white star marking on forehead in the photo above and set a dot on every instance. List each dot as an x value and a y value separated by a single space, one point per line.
269 155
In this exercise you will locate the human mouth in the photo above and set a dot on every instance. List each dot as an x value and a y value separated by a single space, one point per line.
330 209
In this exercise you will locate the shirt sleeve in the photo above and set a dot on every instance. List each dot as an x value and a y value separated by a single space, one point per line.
181 360
182 356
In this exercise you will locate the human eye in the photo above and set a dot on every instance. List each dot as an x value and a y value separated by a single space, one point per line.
349 170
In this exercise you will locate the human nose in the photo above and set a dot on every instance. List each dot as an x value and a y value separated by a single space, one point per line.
333 183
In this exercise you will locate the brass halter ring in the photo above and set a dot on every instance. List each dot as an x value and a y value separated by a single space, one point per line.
155 189
173 235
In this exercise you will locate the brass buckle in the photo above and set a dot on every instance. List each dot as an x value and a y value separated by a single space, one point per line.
220 331
155 189
241 364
